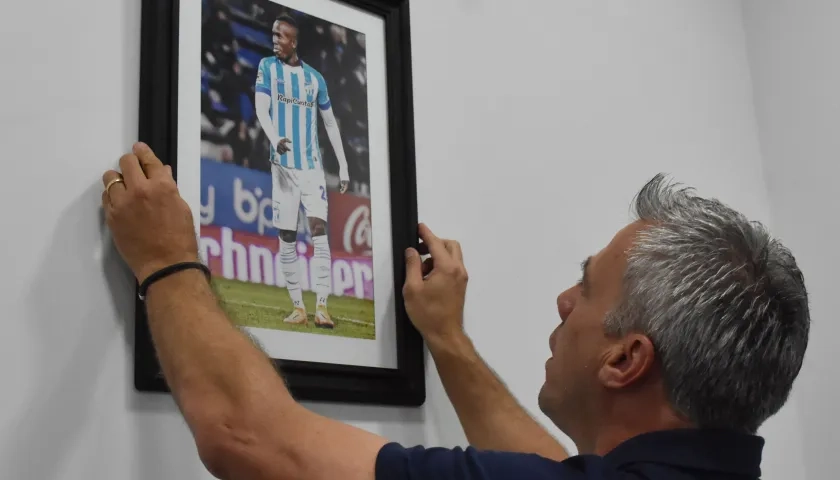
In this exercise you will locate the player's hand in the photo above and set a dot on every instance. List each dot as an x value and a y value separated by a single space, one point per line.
435 289
151 224
283 146
343 180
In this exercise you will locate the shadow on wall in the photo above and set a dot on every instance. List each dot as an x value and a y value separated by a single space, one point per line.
71 335
79 401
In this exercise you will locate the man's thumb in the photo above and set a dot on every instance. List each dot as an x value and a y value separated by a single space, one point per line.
413 267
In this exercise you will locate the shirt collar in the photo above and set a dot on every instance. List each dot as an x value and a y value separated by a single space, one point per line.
702 449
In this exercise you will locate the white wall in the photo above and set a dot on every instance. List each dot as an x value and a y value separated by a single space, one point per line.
793 48
544 103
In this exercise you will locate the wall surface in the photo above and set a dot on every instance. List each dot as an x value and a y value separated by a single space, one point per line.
555 114
796 70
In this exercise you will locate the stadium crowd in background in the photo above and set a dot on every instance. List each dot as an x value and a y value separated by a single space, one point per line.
236 34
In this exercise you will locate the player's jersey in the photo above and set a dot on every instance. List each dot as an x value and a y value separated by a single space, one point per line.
296 93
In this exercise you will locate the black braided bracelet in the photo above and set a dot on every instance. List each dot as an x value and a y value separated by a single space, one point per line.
165 271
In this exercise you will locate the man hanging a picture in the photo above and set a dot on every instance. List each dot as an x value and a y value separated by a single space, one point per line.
289 97
654 374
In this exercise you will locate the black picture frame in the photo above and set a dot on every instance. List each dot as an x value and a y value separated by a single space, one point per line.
158 122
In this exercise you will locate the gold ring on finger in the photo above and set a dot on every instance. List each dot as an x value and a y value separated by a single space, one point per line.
112 183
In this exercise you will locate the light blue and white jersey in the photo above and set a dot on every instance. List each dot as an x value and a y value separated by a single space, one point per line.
295 93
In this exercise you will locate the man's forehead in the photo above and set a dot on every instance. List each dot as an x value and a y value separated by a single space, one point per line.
613 257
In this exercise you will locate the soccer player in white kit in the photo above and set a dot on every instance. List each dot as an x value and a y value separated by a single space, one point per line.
289 97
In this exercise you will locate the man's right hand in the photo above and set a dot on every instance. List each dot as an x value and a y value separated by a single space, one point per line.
434 290
283 146
492 418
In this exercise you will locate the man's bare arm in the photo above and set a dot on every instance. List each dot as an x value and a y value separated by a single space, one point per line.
490 415
245 423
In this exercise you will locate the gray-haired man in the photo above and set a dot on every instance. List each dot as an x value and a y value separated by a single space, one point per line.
683 335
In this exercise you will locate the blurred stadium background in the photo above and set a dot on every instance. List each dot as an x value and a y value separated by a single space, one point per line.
236 34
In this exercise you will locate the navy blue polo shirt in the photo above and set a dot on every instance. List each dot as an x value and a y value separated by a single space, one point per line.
664 455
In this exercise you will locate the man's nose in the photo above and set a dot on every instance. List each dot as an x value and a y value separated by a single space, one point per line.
566 303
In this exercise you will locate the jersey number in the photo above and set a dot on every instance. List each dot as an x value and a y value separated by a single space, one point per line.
323 192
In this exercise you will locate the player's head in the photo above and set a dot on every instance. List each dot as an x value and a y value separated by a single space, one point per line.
284 36
692 316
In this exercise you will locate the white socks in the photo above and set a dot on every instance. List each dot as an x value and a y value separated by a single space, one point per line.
321 268
291 271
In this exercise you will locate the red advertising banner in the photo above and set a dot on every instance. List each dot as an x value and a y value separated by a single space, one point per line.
349 224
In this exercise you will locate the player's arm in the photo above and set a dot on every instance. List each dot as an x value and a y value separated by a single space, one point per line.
262 105
490 415
333 133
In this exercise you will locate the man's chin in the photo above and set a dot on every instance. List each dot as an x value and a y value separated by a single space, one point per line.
549 404
542 399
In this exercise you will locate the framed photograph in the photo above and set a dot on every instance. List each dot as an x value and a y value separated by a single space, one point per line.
289 126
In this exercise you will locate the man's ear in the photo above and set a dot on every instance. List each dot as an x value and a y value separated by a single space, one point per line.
627 361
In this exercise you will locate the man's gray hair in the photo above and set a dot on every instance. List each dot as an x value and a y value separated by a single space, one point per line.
723 302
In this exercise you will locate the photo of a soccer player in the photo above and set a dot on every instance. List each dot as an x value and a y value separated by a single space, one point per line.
287 91
285 170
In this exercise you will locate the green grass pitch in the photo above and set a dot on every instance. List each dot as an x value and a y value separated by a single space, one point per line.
265 306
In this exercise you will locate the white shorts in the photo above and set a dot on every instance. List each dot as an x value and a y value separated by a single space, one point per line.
290 188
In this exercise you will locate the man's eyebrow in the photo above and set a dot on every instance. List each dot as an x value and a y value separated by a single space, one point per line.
584 266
